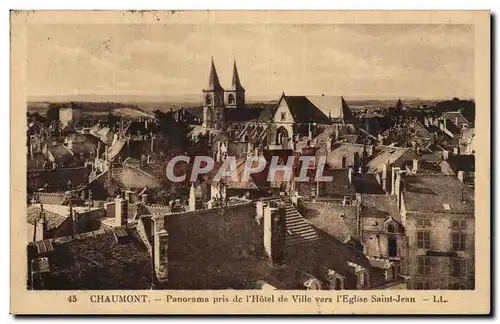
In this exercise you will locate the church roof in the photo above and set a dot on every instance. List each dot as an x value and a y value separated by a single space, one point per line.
213 80
236 84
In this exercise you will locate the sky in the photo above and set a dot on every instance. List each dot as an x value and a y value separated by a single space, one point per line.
431 61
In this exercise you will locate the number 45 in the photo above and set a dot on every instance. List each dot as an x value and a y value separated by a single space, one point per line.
72 299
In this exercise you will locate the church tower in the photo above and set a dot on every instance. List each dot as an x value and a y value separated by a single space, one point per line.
235 96
213 101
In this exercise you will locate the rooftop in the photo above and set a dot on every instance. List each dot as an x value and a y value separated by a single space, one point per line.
430 193
98 261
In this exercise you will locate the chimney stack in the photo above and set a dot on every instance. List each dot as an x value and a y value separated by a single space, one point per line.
41 228
192 198
160 257
120 212
395 171
445 155
144 198
274 233
415 165
384 177
397 185
349 175
461 176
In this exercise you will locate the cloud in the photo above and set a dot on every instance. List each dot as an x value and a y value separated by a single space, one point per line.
174 59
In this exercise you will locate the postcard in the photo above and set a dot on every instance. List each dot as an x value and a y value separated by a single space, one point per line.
250 162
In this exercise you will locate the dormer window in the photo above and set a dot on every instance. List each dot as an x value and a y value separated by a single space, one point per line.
283 116
208 99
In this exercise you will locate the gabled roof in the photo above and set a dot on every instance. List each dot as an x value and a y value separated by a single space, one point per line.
303 110
387 155
333 106
213 80
455 114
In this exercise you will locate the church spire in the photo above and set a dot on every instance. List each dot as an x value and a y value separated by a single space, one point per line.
213 79
236 84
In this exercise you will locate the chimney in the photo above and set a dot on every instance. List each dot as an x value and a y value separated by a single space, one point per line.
152 142
309 132
415 165
384 177
349 175
192 198
145 123
445 155
160 257
274 228
461 175
455 151
395 170
41 228
397 189
148 159
98 149
259 210
144 198
120 212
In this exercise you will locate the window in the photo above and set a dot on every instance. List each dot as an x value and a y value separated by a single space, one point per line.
458 223
423 222
458 241
423 265
208 99
458 268
283 116
423 240
230 99
421 285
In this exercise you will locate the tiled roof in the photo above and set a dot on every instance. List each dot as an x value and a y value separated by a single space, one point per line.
387 155
57 179
53 219
99 262
60 153
429 193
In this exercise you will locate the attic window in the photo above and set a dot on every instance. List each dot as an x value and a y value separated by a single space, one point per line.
446 207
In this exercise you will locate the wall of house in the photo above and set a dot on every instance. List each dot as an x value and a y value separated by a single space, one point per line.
440 241
205 245
376 238
288 122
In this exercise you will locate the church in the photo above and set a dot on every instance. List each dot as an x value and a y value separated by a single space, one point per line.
290 124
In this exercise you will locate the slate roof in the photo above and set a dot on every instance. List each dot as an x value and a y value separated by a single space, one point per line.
243 114
451 115
366 183
304 111
380 206
428 193
236 84
213 80
332 106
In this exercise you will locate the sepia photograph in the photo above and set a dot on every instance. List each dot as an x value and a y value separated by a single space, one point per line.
273 155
